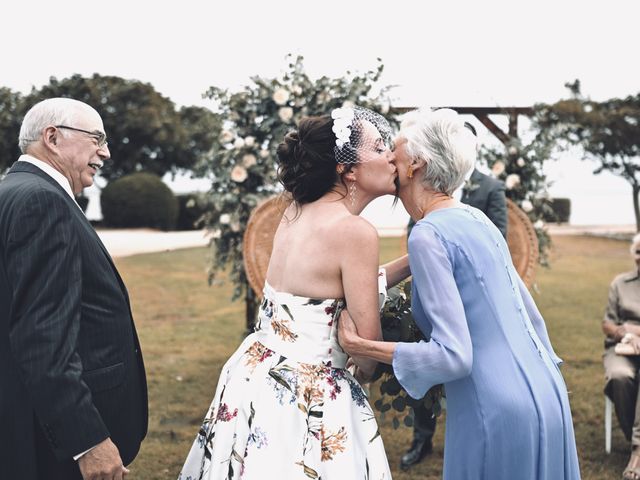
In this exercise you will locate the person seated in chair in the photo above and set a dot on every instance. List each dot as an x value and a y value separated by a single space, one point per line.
621 326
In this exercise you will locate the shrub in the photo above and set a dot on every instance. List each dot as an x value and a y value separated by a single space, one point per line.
139 200
192 206
559 212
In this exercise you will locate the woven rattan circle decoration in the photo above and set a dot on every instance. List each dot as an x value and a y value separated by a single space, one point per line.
264 220
523 243
258 240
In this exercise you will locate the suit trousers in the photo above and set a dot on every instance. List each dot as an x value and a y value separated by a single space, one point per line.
424 423
621 386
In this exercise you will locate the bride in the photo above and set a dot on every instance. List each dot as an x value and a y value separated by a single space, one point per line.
285 406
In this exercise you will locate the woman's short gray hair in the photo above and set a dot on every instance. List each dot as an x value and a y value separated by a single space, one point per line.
442 140
52 111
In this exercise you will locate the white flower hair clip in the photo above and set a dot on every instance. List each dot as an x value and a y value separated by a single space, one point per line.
356 140
342 118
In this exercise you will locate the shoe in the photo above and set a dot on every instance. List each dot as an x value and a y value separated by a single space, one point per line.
419 448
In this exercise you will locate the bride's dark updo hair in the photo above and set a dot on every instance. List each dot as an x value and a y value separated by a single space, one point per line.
307 162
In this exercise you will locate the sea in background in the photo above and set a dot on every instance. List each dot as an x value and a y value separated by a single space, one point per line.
602 199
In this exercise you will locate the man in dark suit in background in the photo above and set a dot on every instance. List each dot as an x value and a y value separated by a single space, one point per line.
73 394
487 194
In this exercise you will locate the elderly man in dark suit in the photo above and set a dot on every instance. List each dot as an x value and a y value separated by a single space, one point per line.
73 395
487 194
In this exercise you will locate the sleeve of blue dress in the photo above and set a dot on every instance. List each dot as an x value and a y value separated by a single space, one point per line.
536 320
436 301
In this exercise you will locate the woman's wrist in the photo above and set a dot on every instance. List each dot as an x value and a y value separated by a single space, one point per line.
355 346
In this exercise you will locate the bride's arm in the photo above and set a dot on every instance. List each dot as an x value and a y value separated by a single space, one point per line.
355 345
397 270
359 270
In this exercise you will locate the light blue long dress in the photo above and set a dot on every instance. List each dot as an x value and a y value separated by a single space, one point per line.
508 414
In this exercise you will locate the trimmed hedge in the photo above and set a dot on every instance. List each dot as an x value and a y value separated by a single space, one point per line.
139 200
559 211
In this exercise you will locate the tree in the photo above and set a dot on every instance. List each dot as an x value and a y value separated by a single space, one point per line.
607 132
144 129
243 164
11 112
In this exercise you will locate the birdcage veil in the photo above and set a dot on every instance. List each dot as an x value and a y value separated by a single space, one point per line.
349 128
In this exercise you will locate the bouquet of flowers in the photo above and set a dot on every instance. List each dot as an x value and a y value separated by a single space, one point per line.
398 326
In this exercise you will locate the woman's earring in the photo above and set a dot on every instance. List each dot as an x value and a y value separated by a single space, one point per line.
410 171
352 193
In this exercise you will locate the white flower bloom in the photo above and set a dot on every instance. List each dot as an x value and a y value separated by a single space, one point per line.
264 153
239 174
348 104
280 96
225 218
285 114
512 150
539 224
527 206
226 136
342 118
385 108
190 203
249 160
511 181
249 141
235 227
239 143
520 162
297 90
498 168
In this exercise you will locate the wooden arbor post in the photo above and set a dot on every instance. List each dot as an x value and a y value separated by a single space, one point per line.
482 114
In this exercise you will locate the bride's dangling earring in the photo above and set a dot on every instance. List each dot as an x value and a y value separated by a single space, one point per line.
352 193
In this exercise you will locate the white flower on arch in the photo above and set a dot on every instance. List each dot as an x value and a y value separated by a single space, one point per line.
239 174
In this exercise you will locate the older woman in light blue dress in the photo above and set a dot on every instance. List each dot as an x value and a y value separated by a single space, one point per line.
508 414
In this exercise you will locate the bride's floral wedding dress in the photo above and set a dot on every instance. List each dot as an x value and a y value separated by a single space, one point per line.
286 407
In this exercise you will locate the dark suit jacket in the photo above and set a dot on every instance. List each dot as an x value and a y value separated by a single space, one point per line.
487 194
71 369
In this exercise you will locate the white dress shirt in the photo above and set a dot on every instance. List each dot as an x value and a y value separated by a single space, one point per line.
52 172
457 193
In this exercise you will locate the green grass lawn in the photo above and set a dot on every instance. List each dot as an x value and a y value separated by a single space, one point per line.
188 329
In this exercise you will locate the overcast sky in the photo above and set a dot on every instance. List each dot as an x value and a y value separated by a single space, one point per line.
482 53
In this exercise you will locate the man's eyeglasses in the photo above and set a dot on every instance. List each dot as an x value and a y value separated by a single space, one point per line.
100 137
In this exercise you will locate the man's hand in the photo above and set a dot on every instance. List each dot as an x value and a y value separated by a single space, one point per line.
102 462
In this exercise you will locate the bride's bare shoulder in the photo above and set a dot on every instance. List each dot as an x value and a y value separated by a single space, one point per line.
355 229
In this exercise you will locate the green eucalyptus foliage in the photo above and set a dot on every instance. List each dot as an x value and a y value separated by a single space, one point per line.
242 162
398 326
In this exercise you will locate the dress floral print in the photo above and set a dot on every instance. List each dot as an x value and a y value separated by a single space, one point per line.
286 407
